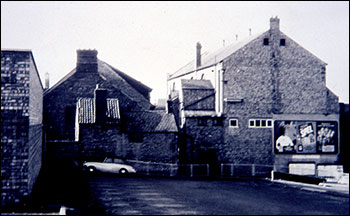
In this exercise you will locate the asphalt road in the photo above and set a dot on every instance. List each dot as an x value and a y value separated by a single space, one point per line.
156 195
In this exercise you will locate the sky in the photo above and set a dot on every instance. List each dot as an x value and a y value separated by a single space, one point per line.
148 40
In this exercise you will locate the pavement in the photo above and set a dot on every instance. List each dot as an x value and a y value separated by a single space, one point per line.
338 187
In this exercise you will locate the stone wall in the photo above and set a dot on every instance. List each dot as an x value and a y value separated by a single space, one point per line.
198 137
59 104
199 99
271 79
21 126
99 140
103 141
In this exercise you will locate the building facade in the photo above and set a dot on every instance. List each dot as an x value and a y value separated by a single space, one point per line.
98 111
21 125
265 85
103 131
60 100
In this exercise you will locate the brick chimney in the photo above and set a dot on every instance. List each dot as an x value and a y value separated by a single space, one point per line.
87 61
198 55
100 101
274 23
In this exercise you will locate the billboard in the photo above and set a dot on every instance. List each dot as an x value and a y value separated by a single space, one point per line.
305 137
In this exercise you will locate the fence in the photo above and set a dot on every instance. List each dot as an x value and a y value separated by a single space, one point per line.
201 170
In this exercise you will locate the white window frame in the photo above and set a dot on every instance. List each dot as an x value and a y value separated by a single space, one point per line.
260 123
233 119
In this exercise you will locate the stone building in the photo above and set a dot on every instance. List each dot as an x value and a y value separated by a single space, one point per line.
102 130
21 125
115 119
202 127
60 100
263 85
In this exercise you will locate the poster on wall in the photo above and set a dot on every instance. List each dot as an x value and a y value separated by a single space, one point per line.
327 137
305 137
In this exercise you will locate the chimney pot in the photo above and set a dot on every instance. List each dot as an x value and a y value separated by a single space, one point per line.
47 80
274 23
198 55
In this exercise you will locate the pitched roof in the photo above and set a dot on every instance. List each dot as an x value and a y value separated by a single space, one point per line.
129 86
212 58
209 59
149 121
196 84
86 111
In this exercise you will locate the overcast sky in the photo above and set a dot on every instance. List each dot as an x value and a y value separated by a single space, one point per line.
147 40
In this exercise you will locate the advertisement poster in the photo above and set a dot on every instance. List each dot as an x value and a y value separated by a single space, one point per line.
305 137
327 137
295 137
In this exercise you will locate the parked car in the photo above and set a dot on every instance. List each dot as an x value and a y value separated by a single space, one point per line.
109 165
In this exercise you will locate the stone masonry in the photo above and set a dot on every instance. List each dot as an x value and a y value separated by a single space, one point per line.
21 125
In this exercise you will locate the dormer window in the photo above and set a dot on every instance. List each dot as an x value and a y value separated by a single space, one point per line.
266 42
283 42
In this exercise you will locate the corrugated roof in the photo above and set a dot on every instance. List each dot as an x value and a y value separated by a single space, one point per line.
149 121
211 58
196 84
86 111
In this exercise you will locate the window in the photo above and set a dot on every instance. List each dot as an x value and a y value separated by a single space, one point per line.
233 123
266 41
269 123
283 42
260 123
217 122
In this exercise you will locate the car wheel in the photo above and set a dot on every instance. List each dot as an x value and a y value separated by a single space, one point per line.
123 171
91 169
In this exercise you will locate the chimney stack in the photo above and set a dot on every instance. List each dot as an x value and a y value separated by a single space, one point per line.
100 101
274 24
87 61
47 80
198 55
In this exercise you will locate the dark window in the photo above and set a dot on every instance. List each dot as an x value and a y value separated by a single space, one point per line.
282 42
217 122
257 123
269 123
233 123
263 123
251 123
266 41
202 122
136 137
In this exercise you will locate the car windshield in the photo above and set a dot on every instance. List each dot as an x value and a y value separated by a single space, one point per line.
114 160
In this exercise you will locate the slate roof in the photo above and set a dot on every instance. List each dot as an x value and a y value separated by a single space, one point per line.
196 84
149 121
129 86
211 58
86 111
